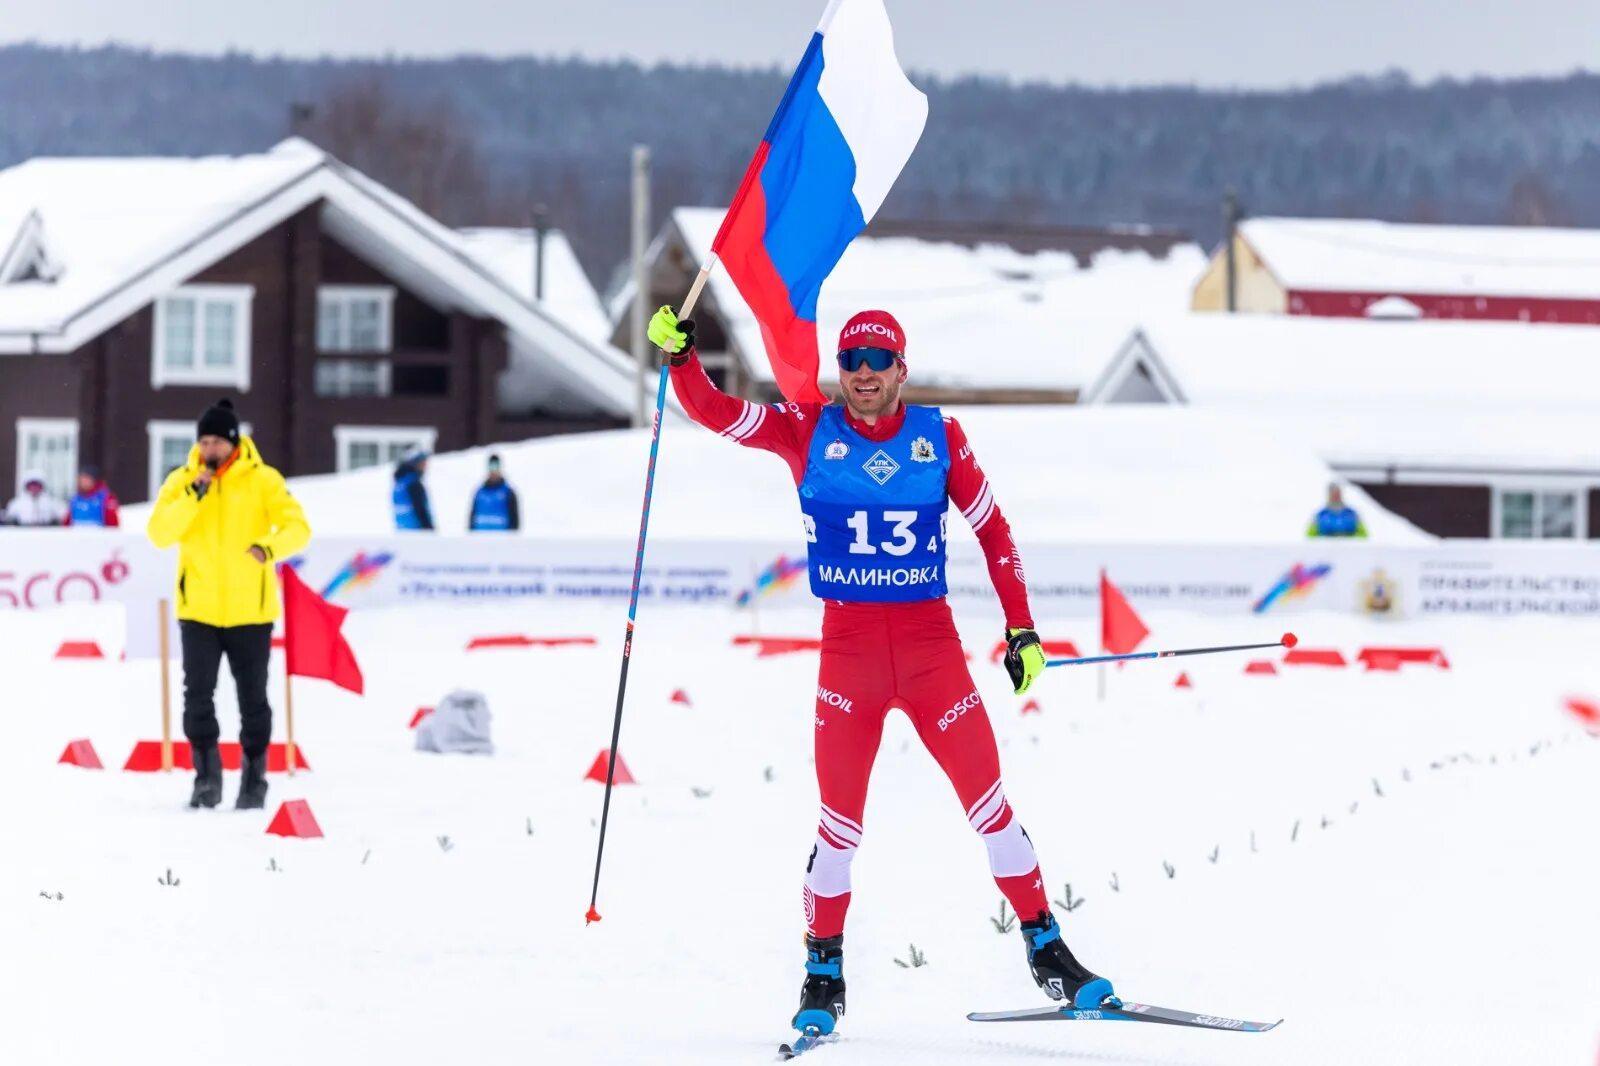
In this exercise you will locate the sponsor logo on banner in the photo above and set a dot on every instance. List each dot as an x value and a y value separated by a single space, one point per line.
359 572
1294 585
49 587
780 575
1379 594
836 450
922 451
880 467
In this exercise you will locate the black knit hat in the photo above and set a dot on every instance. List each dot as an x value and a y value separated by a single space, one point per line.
218 420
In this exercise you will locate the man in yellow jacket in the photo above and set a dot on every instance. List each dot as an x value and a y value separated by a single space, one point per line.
233 520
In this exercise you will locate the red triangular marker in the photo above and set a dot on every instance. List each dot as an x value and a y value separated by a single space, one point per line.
1585 711
294 819
1261 666
81 753
79 649
1121 628
680 696
1031 707
1183 682
597 772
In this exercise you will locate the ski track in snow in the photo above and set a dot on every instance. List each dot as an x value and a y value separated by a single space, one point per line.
1453 919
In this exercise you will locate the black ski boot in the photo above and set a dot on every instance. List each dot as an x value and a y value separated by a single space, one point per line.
1056 971
207 777
253 784
822 996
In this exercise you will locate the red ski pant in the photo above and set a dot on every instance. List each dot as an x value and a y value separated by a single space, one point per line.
877 656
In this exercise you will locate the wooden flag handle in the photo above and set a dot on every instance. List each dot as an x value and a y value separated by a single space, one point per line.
695 289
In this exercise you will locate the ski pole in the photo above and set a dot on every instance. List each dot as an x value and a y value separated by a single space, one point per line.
633 597
1288 640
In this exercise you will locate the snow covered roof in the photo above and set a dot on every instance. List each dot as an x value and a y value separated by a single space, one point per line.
1480 395
1361 255
975 316
1062 473
568 293
124 231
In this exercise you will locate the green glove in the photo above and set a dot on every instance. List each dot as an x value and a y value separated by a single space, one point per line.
1024 658
668 334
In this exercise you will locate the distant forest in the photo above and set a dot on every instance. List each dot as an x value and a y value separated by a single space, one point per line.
480 141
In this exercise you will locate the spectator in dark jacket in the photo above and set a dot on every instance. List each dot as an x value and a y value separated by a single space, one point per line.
411 510
95 504
494 505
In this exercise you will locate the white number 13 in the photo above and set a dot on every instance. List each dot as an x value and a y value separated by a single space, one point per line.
904 540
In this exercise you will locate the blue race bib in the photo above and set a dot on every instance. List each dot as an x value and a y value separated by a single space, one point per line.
874 511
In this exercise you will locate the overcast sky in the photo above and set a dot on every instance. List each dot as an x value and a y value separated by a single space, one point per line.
1210 42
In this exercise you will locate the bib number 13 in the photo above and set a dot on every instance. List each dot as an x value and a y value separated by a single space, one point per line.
904 540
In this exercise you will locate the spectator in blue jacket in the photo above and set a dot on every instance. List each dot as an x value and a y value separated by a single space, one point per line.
494 505
1336 519
411 510
95 504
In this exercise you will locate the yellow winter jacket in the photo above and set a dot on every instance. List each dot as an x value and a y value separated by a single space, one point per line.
248 504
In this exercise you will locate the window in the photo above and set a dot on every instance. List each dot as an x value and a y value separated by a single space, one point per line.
362 446
202 337
354 318
170 441
353 377
50 446
1539 514
169 449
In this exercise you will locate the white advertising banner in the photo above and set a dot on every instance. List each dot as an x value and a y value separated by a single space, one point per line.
42 568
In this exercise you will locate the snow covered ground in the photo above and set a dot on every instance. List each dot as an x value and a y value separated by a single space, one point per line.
1402 865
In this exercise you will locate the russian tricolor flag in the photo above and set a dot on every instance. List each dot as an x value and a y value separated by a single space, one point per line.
846 126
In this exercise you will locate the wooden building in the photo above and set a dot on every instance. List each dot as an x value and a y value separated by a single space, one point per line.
346 325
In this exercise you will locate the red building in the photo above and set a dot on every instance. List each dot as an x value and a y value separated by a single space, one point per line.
1357 268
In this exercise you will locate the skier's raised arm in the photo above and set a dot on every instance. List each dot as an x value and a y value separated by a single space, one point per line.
782 428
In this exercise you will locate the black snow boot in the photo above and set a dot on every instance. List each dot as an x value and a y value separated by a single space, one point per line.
822 996
1056 971
253 784
207 777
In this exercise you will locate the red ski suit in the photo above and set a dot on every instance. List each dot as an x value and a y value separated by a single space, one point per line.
881 655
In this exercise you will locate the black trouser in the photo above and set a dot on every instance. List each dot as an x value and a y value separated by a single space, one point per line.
249 650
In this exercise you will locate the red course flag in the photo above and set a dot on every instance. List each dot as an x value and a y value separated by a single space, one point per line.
312 643
1121 629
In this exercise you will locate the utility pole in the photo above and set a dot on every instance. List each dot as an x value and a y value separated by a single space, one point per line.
540 227
641 281
300 116
1230 229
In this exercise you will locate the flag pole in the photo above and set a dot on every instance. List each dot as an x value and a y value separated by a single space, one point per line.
163 608
288 721
288 694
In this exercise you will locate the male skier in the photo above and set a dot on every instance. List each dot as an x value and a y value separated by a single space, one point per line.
875 478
